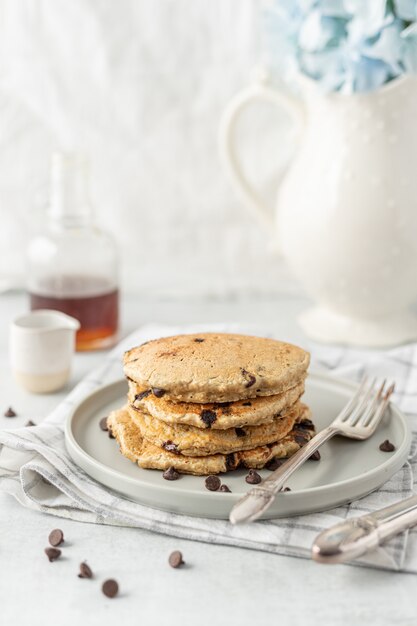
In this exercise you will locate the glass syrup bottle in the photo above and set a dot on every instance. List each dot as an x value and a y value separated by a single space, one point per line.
72 265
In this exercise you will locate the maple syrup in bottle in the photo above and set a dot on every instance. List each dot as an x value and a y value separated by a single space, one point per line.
72 264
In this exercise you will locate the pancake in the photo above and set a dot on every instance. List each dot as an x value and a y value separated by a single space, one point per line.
148 456
216 367
191 441
213 415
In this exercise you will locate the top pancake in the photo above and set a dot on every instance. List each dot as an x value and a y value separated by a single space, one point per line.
216 367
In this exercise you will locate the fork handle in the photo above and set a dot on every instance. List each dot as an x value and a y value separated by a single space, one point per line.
259 498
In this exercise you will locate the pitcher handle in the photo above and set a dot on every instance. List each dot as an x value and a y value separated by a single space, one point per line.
260 90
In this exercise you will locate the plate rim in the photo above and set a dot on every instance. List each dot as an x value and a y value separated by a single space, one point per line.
316 374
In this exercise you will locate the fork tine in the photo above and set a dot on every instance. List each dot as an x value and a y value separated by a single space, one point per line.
354 400
366 417
377 416
358 410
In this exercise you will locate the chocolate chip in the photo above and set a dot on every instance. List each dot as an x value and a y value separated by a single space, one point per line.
250 378
286 489
305 424
223 405
230 461
30 423
301 440
175 559
103 424
208 417
253 477
387 446
10 412
158 392
53 554
274 464
315 456
247 404
240 432
111 436
225 488
170 474
199 340
110 588
85 571
143 394
170 446
56 537
212 483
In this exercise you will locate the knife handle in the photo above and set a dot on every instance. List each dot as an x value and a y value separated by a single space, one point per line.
354 537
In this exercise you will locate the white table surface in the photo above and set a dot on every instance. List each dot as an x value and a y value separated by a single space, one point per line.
220 585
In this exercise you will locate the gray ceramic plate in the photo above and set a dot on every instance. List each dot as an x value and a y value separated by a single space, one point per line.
348 469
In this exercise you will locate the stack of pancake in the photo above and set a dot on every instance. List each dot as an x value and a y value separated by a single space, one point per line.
209 403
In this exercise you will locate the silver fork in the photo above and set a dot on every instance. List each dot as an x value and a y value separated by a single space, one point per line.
357 420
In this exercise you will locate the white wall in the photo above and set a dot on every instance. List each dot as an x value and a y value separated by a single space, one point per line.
140 86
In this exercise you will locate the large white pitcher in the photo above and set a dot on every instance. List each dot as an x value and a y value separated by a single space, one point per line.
346 217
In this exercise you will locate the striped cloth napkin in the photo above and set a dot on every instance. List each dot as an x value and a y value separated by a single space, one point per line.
36 469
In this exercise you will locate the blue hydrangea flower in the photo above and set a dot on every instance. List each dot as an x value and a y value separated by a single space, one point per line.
345 45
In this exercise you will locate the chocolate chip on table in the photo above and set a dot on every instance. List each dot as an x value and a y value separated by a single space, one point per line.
225 488
110 588
253 478
212 483
274 464
143 394
10 412
315 456
158 392
208 417
103 424
387 446
250 378
85 571
56 537
30 423
53 554
175 559
170 474
240 432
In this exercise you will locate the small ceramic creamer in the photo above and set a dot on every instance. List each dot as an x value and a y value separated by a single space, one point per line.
42 344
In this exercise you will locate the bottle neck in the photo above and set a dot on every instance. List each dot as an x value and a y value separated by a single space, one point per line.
69 202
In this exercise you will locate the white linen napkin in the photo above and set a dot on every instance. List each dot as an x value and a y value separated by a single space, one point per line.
36 469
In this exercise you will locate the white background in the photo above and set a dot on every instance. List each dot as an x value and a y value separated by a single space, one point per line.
140 85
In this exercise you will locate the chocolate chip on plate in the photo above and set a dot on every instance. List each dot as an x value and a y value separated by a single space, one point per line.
170 474
286 489
10 412
387 446
53 554
30 423
253 477
175 559
240 432
56 537
85 571
110 588
212 483
158 392
225 489
111 436
315 456
274 464
103 424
